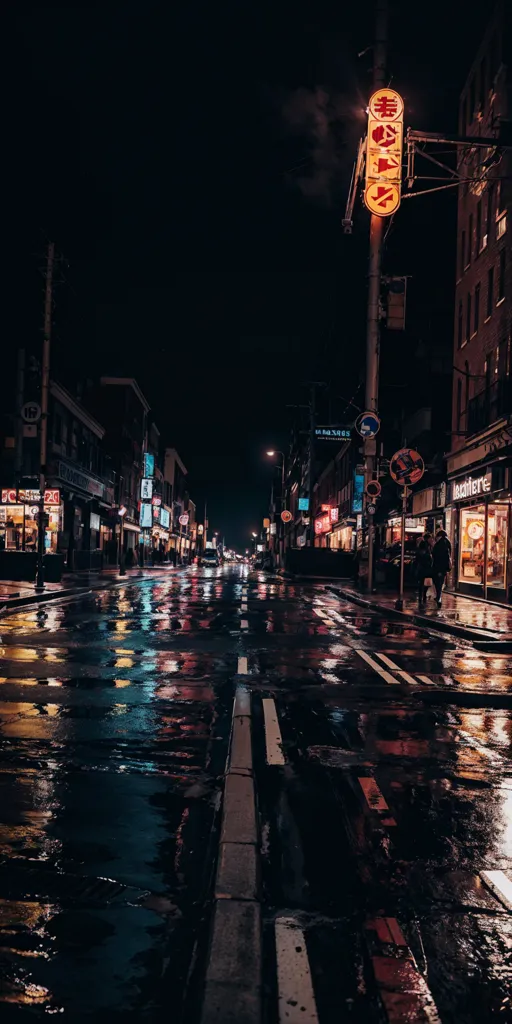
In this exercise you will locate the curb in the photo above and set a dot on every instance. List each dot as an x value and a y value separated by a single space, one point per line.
233 981
418 620
52 595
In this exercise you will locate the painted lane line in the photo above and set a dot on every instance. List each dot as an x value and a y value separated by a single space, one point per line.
244 606
388 678
296 997
399 671
323 615
273 738
244 624
500 885
242 667
372 794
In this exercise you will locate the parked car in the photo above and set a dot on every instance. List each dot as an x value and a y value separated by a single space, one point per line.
209 557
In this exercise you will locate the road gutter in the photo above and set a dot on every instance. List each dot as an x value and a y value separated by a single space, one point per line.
233 981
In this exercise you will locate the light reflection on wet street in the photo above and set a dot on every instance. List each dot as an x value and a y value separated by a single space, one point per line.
114 717
386 835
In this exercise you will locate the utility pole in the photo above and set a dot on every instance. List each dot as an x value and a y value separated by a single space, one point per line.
45 387
20 393
312 412
374 282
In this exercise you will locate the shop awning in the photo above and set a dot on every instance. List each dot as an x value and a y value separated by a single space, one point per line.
132 527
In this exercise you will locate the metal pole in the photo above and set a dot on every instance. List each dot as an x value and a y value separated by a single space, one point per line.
399 604
310 537
374 278
20 391
43 434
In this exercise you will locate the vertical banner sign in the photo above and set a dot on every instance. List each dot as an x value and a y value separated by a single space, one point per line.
384 152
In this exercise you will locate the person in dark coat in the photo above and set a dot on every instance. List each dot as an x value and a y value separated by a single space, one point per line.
442 562
423 569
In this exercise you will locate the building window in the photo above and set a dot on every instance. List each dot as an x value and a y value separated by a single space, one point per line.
459 326
462 252
490 290
468 317
488 218
501 276
476 312
478 226
501 225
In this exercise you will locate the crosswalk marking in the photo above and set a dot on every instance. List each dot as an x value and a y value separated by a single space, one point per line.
388 678
273 738
426 680
372 794
499 883
296 996
399 671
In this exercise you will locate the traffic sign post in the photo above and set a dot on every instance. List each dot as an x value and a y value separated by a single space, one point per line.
384 146
406 467
373 488
371 508
368 424
399 603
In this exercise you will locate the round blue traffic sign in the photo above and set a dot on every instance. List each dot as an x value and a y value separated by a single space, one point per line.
368 424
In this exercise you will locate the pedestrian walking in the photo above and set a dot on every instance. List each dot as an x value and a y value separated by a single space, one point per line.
423 567
442 562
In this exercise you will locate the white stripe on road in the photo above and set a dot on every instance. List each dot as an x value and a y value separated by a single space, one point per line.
500 885
295 988
426 680
391 664
242 667
244 624
323 615
372 794
273 738
388 678
244 606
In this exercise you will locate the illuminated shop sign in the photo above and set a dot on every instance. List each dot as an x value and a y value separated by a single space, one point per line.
148 464
164 518
471 487
145 515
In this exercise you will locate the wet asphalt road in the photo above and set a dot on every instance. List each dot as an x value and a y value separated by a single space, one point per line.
393 801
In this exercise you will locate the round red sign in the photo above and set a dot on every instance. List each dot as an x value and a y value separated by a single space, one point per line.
406 467
286 516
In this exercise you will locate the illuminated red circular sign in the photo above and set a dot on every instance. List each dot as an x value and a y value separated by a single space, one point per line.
406 467
286 516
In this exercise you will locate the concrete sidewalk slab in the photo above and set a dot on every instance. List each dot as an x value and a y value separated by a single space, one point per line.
458 616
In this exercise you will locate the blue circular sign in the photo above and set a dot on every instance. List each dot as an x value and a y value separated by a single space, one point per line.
368 424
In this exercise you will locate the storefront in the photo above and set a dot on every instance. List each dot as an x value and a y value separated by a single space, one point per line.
343 537
19 514
414 528
478 524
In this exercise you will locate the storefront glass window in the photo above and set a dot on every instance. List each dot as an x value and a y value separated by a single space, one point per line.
497 529
11 527
472 543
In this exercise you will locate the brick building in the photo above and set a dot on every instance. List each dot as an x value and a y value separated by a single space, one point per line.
479 477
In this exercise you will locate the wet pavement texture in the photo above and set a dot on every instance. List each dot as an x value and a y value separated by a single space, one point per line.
385 810
485 617
114 720
387 832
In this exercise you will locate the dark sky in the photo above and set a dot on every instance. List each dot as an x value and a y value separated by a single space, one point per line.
191 162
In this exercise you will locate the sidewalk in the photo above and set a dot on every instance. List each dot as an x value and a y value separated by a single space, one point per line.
479 621
16 594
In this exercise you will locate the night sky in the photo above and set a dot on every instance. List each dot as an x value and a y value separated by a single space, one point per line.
191 162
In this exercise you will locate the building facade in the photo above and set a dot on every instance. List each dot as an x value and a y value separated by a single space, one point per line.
477 515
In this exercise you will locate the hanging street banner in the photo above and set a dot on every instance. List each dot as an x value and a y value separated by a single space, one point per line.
384 145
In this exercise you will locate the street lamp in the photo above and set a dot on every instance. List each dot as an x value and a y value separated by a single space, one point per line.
271 453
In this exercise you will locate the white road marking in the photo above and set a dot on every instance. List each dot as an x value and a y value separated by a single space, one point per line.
242 667
273 738
426 680
323 615
244 606
500 885
296 997
244 624
388 678
399 671
372 794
